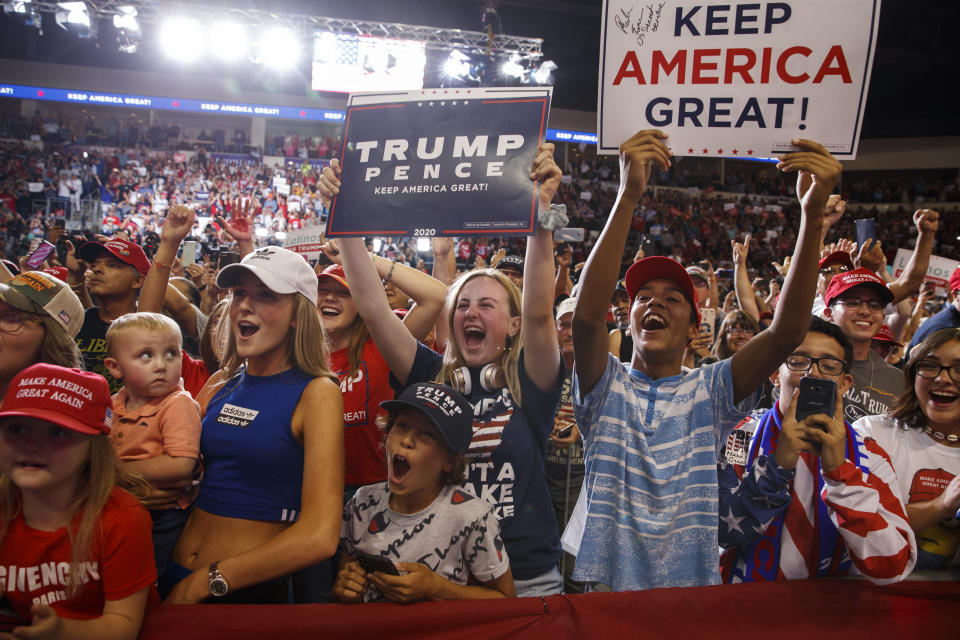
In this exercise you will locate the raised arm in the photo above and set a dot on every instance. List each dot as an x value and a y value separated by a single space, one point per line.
444 270
541 350
177 226
746 297
818 172
637 157
927 221
395 343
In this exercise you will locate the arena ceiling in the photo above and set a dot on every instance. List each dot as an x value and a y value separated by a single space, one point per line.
912 92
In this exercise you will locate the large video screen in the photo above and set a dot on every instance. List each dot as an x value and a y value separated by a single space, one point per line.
351 63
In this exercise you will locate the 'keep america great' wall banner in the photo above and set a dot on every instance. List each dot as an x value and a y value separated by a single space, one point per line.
440 162
727 79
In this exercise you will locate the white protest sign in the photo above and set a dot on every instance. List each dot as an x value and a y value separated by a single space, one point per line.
306 242
283 189
938 273
729 80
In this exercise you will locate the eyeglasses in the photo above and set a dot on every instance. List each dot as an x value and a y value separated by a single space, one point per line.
826 366
741 331
855 303
931 369
12 321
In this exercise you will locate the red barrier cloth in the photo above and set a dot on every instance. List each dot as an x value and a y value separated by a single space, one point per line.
811 609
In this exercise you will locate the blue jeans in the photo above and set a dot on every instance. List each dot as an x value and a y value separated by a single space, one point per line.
167 526
549 583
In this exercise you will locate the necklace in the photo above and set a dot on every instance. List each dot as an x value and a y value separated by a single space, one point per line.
939 435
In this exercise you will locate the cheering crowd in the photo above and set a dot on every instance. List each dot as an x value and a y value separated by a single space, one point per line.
193 413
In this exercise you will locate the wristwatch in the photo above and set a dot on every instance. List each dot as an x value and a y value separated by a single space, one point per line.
218 584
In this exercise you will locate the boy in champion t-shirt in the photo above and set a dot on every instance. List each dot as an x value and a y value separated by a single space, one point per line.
441 542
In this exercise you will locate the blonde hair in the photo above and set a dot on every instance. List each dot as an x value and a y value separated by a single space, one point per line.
99 475
510 360
306 343
144 321
359 335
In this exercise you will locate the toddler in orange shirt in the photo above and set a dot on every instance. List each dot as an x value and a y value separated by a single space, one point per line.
156 423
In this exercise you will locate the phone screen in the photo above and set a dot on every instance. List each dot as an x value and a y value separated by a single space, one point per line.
37 258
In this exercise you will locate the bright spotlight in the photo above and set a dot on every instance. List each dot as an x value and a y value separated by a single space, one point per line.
544 73
512 67
279 49
128 29
181 39
229 41
423 245
377 245
457 65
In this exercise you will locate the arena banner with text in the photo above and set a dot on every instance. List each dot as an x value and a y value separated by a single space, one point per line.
440 162
727 79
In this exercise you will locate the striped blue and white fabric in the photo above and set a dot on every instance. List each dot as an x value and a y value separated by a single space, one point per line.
651 450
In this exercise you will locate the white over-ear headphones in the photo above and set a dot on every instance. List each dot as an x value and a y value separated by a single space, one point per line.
491 379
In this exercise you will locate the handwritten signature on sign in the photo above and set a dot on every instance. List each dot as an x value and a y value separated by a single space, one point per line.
648 21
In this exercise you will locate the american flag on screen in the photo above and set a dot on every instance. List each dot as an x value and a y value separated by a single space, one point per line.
347 46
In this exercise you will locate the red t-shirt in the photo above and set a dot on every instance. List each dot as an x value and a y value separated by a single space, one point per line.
194 374
363 391
35 565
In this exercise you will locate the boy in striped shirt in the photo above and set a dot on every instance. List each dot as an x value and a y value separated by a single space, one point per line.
651 430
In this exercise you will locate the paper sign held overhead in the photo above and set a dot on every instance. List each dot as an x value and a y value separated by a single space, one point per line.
728 79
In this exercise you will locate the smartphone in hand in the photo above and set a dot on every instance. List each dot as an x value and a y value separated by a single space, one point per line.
39 256
371 563
816 396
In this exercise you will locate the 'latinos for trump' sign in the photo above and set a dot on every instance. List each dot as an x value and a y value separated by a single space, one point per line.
727 79
440 162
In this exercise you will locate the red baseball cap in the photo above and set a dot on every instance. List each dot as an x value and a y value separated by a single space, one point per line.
837 257
955 280
646 269
857 278
60 273
72 398
121 249
334 272
885 335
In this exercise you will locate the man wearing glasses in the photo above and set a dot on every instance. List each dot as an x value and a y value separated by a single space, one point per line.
855 302
810 498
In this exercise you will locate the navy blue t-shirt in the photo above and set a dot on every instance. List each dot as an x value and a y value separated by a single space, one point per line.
506 463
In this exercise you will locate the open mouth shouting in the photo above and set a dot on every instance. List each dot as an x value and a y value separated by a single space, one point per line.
399 468
942 398
473 337
247 329
653 321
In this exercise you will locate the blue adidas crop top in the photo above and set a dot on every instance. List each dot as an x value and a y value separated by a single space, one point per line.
254 465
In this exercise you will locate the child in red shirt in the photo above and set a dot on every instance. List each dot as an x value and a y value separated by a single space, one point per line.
75 549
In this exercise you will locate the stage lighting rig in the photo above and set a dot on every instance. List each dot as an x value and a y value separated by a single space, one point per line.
128 29
75 16
26 10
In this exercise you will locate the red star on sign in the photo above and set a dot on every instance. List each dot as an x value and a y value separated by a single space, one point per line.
706 150
719 151
176 103
40 93
302 113
749 152
690 150
734 152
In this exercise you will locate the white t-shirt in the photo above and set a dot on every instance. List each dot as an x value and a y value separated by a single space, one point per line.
924 468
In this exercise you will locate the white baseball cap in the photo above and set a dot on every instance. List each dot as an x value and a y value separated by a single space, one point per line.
279 269
566 306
